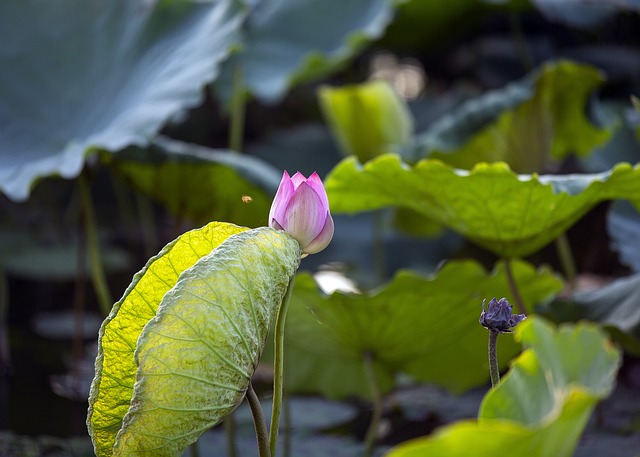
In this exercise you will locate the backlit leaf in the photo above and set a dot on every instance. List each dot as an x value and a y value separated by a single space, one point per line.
542 406
426 327
177 351
115 365
366 119
509 214
199 183
525 124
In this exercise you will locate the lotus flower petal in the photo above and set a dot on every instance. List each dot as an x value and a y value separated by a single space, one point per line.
280 201
298 179
323 239
301 208
498 317
316 183
305 215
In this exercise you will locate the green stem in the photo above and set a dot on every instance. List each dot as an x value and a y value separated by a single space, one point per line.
98 277
278 368
494 371
566 259
259 423
522 309
374 425
236 129
230 433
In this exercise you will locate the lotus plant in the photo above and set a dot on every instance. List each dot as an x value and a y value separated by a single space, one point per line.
497 318
301 208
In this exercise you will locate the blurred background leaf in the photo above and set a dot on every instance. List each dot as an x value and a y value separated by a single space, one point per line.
579 13
84 74
366 119
613 305
425 327
623 225
542 405
319 37
491 206
528 124
200 184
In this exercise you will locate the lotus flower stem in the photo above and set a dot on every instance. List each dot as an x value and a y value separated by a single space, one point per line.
494 371
566 259
259 423
498 318
374 425
278 368
98 277
522 309
236 129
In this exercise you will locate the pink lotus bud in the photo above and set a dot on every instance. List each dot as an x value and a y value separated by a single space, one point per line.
301 208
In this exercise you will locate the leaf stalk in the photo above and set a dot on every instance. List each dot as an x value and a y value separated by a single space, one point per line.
278 368
237 114
566 259
98 277
259 423
513 286
374 388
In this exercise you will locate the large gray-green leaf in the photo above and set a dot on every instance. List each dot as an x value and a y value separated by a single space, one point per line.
290 40
426 327
199 183
525 124
78 74
543 404
615 306
509 214
578 13
624 145
178 350
623 225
